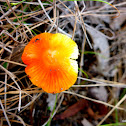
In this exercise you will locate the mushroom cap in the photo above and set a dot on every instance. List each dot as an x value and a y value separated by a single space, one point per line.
50 60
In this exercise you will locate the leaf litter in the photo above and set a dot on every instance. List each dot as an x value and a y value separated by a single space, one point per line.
87 22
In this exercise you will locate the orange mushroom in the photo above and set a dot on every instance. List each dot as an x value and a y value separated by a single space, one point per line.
50 60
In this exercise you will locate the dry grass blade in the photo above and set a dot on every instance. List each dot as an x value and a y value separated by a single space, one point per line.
4 111
124 98
18 117
20 64
51 19
100 83
59 104
94 100
13 78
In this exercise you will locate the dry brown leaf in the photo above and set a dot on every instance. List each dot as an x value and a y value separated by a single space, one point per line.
72 110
